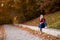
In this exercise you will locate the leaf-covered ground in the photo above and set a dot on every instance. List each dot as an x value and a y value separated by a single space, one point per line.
2 33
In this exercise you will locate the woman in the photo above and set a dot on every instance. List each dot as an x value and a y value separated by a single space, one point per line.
42 23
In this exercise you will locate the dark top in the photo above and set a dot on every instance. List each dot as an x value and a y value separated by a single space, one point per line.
42 20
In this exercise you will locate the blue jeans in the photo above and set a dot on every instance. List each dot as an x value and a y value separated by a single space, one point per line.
45 24
42 26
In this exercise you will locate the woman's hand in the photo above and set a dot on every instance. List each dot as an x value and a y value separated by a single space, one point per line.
41 22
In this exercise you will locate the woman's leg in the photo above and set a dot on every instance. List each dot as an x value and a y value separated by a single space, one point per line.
45 24
40 26
40 30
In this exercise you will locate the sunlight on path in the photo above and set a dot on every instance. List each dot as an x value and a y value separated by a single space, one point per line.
13 33
50 31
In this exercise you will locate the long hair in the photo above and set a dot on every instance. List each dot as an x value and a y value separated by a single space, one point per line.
41 16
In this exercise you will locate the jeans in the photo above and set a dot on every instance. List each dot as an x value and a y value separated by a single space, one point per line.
44 24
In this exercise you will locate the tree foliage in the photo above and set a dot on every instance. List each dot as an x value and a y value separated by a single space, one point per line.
26 9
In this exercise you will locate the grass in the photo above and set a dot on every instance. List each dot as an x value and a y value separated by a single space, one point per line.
53 20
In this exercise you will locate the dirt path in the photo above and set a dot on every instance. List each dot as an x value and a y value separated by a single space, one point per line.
49 31
14 33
